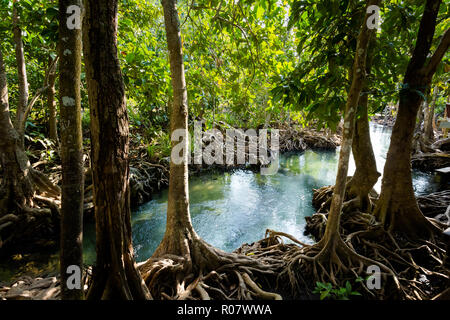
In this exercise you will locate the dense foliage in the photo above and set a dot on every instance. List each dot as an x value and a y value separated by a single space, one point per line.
247 62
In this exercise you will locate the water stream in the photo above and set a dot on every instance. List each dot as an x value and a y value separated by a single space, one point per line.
229 209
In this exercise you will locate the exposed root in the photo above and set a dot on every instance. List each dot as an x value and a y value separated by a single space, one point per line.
146 179
417 264
44 185
322 199
271 234
434 205
34 222
332 261
209 273
294 138
259 292
430 161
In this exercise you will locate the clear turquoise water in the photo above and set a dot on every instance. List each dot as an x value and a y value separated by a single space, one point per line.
234 208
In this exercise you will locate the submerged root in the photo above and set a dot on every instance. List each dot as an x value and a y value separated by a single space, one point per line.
208 273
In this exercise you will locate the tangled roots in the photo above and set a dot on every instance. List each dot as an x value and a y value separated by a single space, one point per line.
208 273
417 264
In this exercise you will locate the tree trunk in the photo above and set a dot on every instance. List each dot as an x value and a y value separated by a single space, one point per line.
421 115
17 181
366 174
180 237
71 149
397 207
51 103
429 118
332 237
178 215
183 258
22 76
115 273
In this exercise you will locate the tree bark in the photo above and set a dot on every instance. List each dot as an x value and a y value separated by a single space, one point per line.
332 236
20 120
17 181
366 174
115 273
397 207
51 103
429 118
71 149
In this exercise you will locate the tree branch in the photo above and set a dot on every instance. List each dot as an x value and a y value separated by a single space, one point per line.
39 92
442 48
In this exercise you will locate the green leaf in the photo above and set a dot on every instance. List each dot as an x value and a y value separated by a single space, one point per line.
324 295
348 286
52 13
259 12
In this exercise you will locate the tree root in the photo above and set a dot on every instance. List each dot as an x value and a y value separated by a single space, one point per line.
322 199
330 261
417 264
208 273
44 185
145 180
434 205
